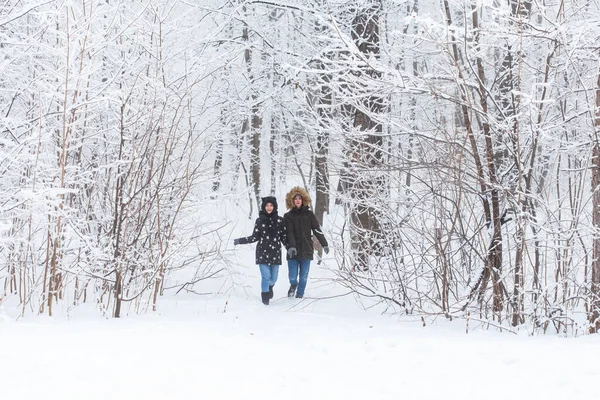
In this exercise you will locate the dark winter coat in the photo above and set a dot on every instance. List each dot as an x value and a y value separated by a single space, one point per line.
269 231
300 224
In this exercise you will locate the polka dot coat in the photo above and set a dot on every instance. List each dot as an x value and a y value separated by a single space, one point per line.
270 233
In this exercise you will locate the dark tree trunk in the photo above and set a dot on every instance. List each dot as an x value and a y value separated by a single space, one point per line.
365 181
494 256
218 166
255 120
594 314
255 160
509 100
273 154
324 103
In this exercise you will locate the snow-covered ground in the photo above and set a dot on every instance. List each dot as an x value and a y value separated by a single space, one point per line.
233 347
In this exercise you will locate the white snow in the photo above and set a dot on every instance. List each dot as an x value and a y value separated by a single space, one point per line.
233 347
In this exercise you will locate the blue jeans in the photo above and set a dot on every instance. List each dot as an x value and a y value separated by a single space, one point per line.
304 266
268 274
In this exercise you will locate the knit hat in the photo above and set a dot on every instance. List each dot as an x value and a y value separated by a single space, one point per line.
266 200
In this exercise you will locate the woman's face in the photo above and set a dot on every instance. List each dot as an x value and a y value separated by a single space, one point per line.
269 208
298 201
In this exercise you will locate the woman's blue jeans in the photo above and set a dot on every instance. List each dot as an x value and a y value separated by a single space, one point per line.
268 274
302 267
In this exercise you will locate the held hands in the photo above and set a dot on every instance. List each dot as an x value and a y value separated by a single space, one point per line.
326 249
236 242
292 252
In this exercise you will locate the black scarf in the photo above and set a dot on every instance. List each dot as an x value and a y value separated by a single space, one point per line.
271 221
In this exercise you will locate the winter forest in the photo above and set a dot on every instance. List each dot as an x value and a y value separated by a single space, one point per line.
451 149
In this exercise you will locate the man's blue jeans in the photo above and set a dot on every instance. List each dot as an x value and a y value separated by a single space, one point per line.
268 274
304 266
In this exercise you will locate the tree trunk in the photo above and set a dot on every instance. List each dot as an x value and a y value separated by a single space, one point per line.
510 99
118 294
273 154
494 256
255 160
366 181
594 313
324 99
255 120
218 165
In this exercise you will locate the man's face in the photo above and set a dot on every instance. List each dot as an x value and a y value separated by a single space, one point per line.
269 208
298 201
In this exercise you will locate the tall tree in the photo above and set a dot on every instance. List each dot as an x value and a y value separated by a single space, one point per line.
323 102
253 124
365 182
594 311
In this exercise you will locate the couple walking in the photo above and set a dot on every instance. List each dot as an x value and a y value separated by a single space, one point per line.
294 230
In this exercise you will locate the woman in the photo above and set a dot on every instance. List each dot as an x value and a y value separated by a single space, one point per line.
300 222
269 231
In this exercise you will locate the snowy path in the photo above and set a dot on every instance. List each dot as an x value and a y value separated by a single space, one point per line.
197 347
255 352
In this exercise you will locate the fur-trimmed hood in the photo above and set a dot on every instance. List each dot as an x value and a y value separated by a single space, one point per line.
289 198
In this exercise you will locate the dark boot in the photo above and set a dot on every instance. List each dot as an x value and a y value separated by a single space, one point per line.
265 298
298 296
270 292
292 290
